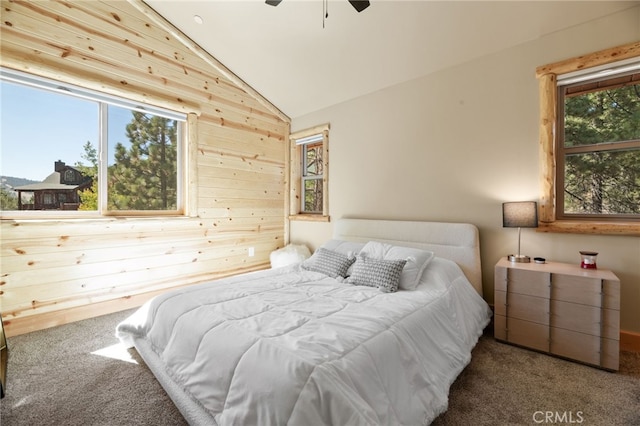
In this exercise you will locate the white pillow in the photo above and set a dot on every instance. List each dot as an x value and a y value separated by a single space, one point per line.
349 248
417 260
288 255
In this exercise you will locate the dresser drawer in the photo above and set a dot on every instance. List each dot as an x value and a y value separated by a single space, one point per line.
585 348
585 319
611 295
571 288
518 281
524 333
520 306
586 291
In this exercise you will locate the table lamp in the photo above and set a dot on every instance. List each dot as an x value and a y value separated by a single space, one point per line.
520 214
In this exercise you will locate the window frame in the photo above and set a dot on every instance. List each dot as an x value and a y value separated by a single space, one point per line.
601 83
296 175
309 178
547 75
103 101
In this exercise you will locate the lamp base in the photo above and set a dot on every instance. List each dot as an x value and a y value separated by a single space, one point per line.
519 258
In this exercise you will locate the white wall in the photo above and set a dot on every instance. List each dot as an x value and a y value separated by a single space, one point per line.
452 146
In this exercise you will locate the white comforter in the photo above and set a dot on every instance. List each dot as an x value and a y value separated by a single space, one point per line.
287 346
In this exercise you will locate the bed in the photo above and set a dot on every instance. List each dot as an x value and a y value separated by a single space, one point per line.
325 341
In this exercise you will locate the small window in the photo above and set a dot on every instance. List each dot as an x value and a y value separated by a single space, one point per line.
68 148
312 177
598 149
309 159
69 176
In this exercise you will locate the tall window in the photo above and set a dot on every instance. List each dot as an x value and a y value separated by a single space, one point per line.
312 168
598 147
589 143
309 183
67 148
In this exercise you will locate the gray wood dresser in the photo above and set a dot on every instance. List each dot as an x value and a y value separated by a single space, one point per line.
559 308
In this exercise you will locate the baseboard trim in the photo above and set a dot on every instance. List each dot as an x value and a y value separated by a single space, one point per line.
629 341
17 326
14 326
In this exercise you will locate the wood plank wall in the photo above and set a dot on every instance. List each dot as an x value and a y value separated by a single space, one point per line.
57 271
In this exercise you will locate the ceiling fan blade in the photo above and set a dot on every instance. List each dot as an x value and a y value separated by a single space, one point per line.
359 5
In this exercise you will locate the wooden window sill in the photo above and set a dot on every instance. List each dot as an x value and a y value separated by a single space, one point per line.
310 217
591 227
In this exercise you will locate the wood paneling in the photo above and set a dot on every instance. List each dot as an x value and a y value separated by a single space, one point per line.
56 271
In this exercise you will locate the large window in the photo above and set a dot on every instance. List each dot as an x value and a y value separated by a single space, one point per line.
598 146
309 183
590 143
68 149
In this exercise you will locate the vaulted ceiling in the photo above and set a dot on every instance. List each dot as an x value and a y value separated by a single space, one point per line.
303 61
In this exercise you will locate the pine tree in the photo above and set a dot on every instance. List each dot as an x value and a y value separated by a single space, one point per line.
144 177
8 201
607 181
89 196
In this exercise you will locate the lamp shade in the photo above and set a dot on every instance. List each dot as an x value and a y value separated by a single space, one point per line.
520 214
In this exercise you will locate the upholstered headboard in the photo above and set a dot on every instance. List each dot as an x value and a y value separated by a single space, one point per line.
458 242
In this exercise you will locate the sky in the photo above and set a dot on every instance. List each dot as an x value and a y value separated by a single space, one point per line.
38 127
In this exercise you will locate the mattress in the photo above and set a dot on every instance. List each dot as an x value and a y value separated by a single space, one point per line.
293 346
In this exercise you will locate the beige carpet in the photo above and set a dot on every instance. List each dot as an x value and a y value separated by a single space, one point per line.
62 376
507 385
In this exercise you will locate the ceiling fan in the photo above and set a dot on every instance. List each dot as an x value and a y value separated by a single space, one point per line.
358 5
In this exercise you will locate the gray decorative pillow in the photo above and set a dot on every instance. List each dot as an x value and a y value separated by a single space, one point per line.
328 262
384 274
417 261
